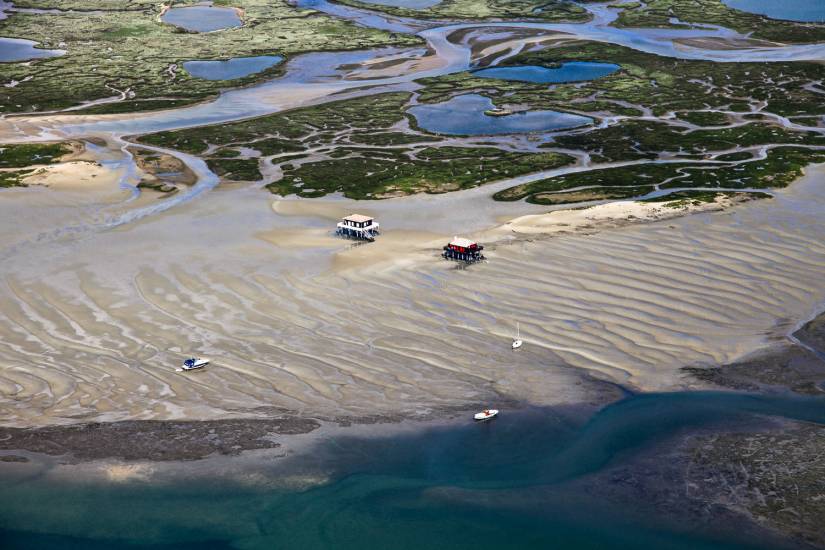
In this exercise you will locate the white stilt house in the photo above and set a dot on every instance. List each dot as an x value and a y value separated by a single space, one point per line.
358 226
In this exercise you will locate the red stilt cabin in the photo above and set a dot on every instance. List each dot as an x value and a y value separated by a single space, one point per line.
463 250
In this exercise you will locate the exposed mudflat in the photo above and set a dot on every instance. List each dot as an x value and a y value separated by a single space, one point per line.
93 323
775 476
154 440
797 364
812 334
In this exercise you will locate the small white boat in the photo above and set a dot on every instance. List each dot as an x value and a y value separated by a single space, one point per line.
517 340
498 111
486 414
194 363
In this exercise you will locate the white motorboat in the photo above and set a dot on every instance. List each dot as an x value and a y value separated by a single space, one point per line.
486 414
194 363
517 340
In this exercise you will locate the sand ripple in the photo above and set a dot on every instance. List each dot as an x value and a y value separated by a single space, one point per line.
94 328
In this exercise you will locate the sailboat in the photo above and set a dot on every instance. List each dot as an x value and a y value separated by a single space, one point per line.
517 340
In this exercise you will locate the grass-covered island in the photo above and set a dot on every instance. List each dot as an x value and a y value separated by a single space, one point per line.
17 161
352 146
122 48
714 126
651 227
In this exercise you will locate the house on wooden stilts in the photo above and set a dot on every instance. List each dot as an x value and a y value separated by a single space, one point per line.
463 250
358 226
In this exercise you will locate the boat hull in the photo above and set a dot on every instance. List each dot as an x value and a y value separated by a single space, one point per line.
198 364
192 368
479 417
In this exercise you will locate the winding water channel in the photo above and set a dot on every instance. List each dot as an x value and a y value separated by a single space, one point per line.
36 238
315 77
105 297
318 77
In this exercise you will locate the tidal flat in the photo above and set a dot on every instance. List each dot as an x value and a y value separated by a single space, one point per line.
662 264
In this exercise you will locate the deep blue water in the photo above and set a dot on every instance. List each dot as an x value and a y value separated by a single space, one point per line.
464 115
202 18
794 10
574 71
508 483
16 49
237 67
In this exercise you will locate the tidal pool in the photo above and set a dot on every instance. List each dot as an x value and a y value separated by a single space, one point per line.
464 115
17 49
793 10
411 4
574 71
231 68
202 18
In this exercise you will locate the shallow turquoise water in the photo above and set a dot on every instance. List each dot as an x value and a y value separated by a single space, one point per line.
574 71
202 18
237 67
794 10
464 115
508 483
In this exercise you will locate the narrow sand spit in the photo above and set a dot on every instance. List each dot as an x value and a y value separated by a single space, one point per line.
93 327
602 217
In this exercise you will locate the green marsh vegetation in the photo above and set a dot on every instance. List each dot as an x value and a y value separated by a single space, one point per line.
361 154
780 168
29 154
293 131
545 10
704 118
695 197
19 160
236 169
590 194
13 178
659 13
640 139
127 47
680 91
383 172
360 149
660 84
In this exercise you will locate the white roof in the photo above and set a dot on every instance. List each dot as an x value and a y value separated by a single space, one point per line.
461 241
358 218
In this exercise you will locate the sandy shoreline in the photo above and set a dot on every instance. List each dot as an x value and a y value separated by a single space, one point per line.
296 319
798 367
602 217
73 175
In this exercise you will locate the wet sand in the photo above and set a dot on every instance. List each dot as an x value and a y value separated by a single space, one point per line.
796 363
94 322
